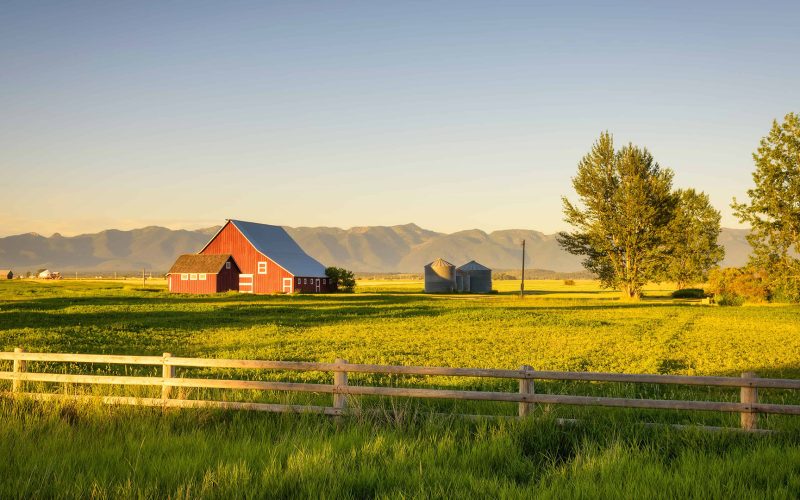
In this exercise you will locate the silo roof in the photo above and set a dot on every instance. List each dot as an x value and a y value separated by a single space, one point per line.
473 266
440 263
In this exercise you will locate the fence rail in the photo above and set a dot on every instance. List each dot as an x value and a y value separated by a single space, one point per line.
748 405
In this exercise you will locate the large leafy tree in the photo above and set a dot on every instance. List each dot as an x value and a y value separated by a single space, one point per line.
693 235
774 208
621 223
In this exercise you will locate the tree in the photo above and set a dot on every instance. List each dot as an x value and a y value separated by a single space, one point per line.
774 209
345 280
621 227
693 236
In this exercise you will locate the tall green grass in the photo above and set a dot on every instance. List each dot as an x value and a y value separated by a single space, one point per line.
59 450
396 448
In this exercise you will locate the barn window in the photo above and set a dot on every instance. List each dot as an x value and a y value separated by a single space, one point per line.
228 265
299 281
201 276
184 276
305 281
262 268
193 277
323 281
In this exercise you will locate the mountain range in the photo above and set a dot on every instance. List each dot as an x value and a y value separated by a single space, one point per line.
376 249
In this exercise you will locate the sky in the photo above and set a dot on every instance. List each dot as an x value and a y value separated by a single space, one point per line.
450 115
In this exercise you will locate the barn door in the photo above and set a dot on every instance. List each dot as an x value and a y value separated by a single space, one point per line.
245 283
287 285
316 286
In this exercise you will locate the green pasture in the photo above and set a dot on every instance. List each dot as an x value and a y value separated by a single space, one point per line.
398 448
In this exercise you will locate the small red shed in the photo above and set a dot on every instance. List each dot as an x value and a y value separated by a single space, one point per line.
269 259
203 274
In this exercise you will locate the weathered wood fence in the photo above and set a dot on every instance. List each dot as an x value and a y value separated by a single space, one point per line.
748 406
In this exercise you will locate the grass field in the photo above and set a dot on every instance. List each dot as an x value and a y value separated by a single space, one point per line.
89 450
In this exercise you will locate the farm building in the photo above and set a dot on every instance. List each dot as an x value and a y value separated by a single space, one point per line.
440 277
270 261
203 274
474 277
6 274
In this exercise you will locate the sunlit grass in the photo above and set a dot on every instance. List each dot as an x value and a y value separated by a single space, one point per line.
400 450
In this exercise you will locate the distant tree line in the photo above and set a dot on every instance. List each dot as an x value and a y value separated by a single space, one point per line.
632 227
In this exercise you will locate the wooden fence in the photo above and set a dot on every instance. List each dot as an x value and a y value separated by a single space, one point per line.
748 406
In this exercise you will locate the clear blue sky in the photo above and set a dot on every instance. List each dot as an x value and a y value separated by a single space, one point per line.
453 115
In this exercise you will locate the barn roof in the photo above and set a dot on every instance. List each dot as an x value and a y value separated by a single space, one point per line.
473 266
192 263
275 243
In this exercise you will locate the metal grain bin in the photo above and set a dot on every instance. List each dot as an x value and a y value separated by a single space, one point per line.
477 277
440 277
462 281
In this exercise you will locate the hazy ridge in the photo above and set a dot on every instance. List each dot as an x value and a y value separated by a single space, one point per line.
403 248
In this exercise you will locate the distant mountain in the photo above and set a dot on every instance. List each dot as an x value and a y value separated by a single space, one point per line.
385 249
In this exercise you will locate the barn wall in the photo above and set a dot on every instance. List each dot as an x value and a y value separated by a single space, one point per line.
194 286
228 279
310 286
231 241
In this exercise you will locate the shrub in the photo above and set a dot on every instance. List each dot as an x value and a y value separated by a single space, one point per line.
729 299
345 280
569 282
689 293
748 284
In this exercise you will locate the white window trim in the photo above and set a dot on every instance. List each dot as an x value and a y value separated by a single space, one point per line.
192 276
228 265
262 264
201 277
184 276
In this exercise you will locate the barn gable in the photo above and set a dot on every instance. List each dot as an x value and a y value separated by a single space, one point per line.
274 242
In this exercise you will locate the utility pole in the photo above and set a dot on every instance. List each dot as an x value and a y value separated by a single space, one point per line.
522 284
144 278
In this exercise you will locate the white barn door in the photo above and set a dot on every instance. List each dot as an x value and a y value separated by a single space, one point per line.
245 283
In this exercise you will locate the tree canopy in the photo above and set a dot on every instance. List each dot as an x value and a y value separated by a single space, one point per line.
693 235
622 221
773 211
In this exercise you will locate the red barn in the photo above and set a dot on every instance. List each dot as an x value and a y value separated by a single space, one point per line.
269 259
203 274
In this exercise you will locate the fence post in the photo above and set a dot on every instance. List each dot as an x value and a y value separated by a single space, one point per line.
19 367
525 387
167 372
339 381
749 396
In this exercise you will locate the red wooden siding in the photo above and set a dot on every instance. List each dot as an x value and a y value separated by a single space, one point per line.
225 280
228 279
231 241
177 285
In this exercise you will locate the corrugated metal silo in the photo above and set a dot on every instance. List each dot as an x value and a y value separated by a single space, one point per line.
462 281
479 276
440 277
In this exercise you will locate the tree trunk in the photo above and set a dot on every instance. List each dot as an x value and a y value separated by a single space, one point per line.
631 292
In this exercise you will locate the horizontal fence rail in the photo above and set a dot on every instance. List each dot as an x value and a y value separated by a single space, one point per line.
748 405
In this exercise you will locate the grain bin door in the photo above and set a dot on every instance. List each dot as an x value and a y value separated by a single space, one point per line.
245 283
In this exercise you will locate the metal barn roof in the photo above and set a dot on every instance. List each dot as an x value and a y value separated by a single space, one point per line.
193 263
275 243
473 266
